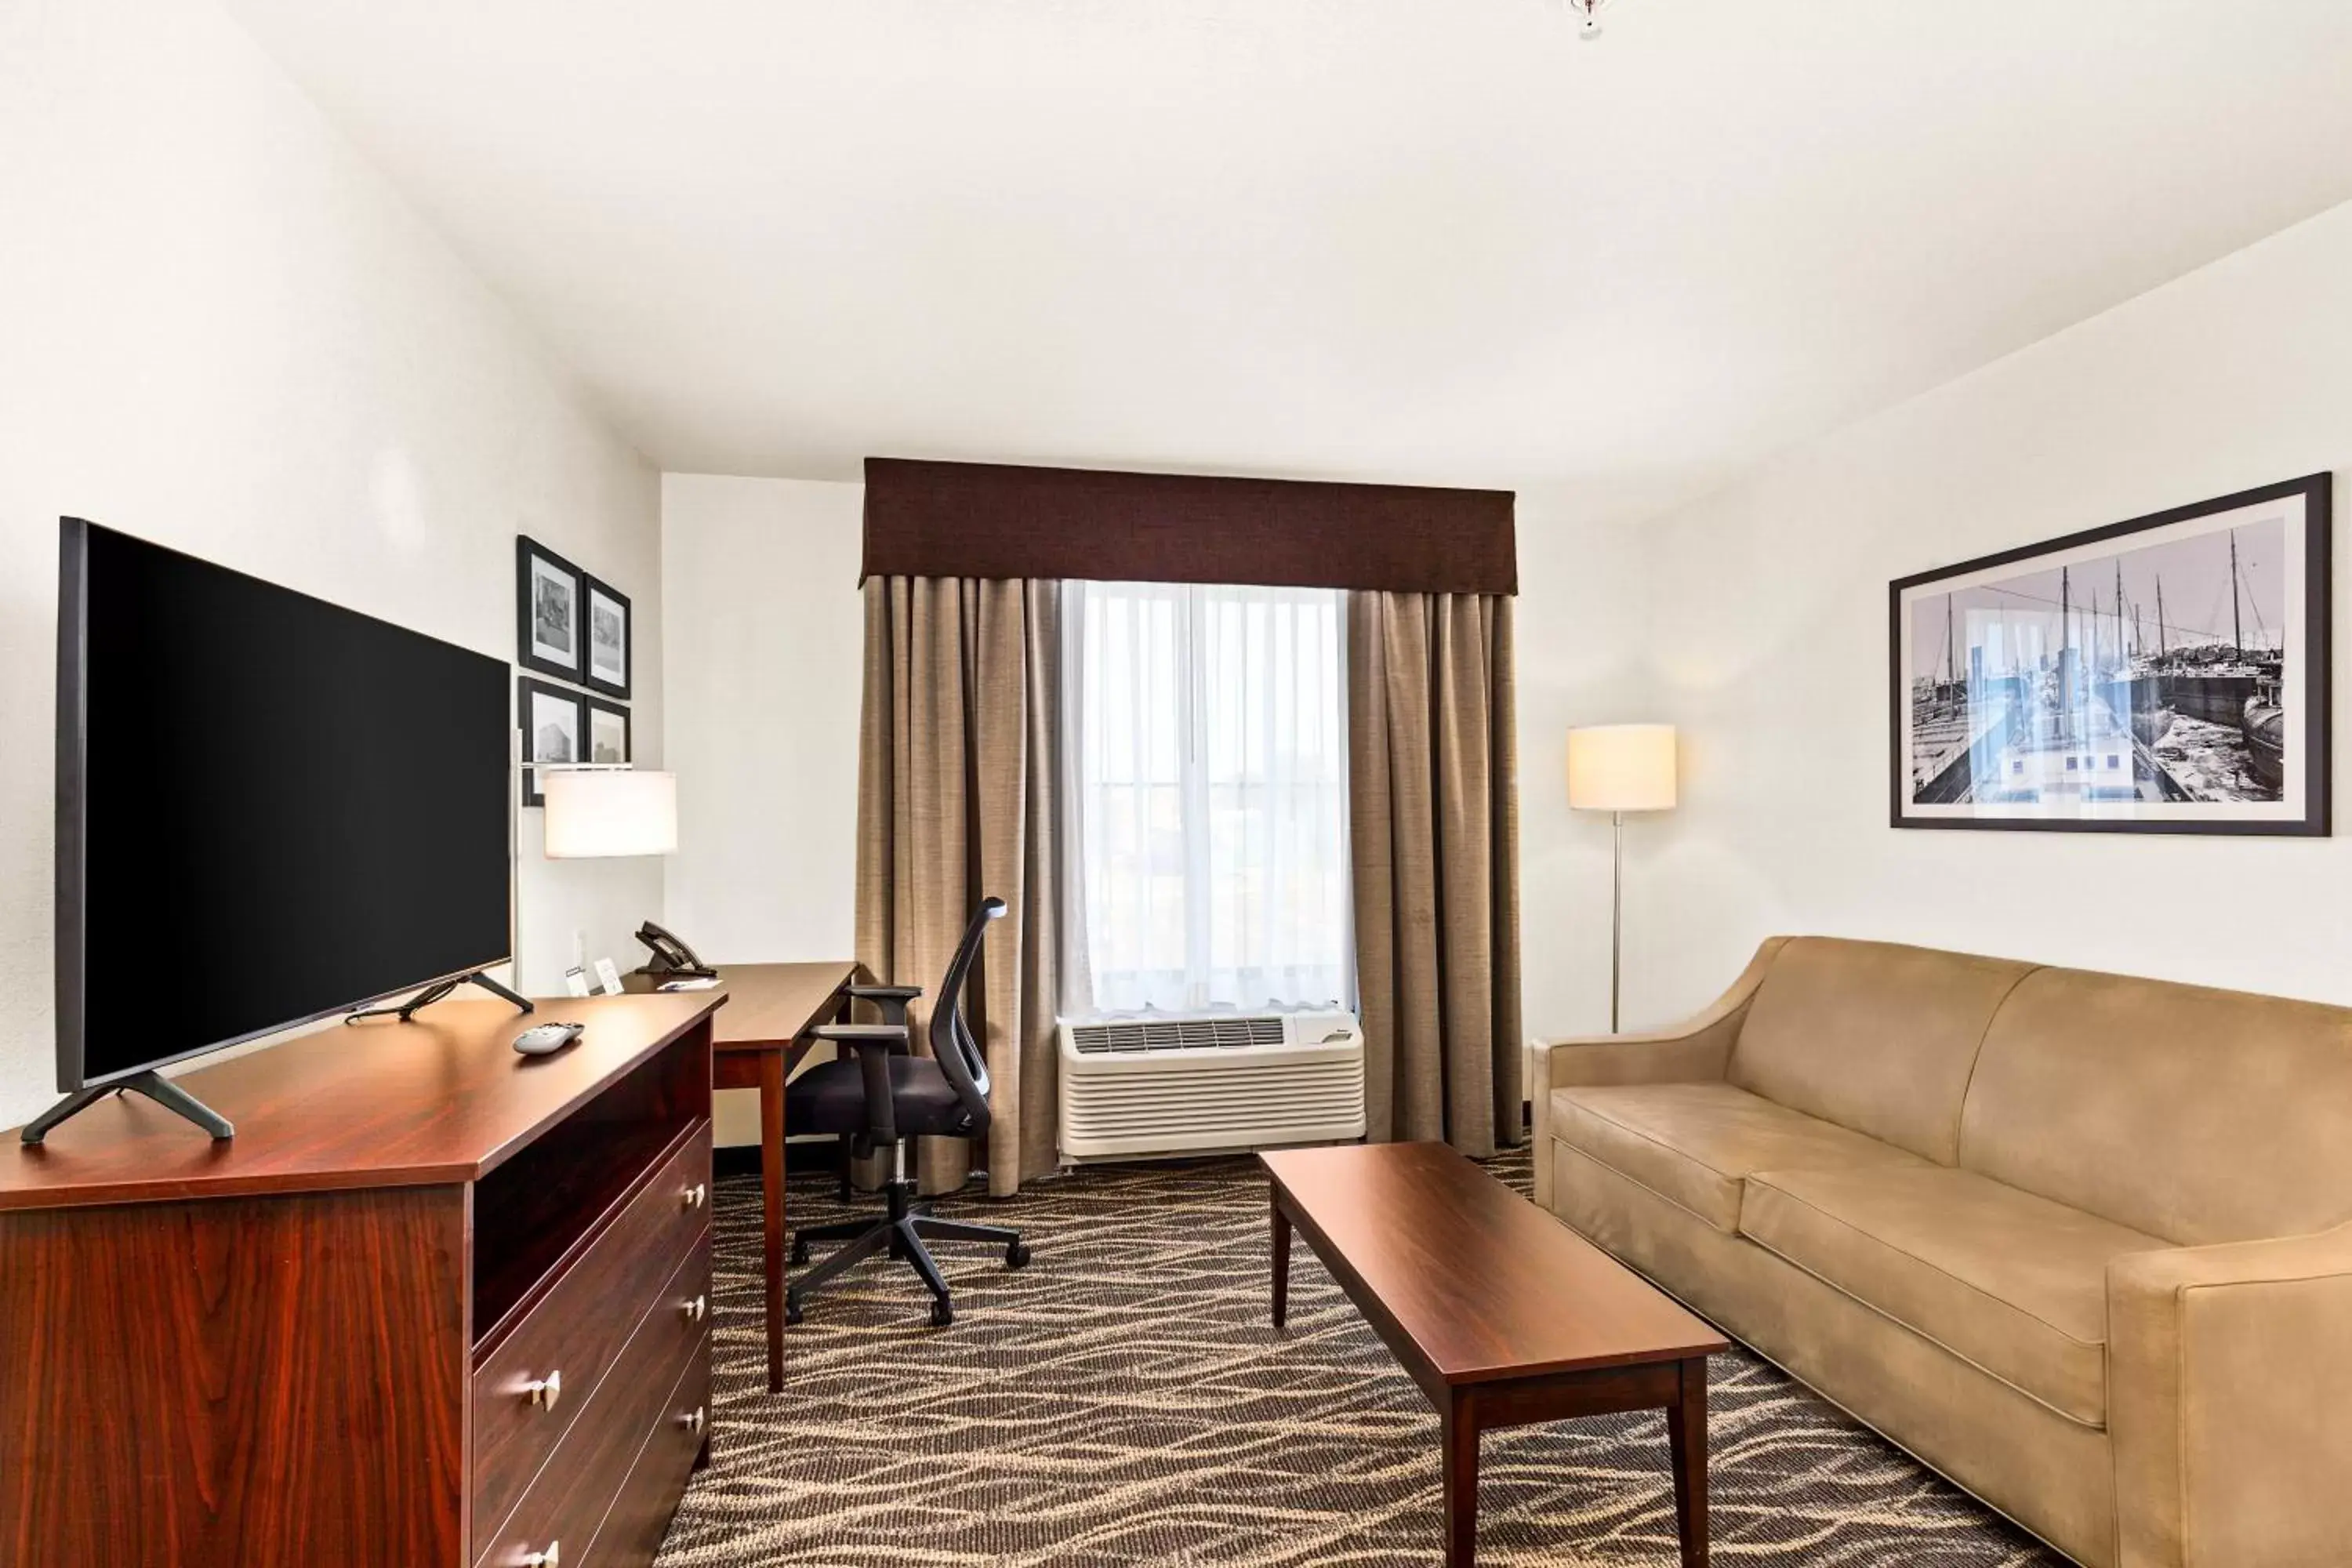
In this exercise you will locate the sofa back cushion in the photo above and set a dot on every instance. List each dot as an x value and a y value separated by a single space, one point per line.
1875 1038
2196 1115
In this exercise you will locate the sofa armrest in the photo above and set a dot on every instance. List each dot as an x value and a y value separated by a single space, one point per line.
1697 1051
2230 1402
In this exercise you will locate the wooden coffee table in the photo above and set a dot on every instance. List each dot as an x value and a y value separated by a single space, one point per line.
1502 1314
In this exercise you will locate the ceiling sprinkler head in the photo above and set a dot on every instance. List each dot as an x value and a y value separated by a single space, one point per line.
1588 13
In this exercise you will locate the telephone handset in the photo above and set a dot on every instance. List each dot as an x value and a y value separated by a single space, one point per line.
670 956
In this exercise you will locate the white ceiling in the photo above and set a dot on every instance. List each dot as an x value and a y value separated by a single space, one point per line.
1432 240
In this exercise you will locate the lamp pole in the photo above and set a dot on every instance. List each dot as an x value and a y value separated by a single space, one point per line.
1616 913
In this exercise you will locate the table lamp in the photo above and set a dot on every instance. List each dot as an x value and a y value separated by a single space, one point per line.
595 813
1619 768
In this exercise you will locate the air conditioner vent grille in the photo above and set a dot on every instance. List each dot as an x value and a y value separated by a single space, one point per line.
1175 1035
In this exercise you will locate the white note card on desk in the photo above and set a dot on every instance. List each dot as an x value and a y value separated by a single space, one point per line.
697 982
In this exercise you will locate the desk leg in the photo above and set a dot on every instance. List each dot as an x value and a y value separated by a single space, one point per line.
1458 1437
771 1216
1281 1262
1686 1438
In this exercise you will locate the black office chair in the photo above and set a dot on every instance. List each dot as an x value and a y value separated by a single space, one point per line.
883 1098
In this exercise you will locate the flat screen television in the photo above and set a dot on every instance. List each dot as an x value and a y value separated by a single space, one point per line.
270 808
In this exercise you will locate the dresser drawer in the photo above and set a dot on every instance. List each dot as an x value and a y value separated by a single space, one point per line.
568 1501
568 1343
633 1530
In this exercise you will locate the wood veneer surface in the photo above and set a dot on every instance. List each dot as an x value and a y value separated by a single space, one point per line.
1466 1277
443 1099
259 1383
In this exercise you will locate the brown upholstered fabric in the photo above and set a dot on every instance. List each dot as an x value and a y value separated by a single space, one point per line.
1696 1144
2193 1114
998 520
2014 1285
958 762
2106 1120
2232 1377
1696 1052
2054 1476
1432 765
1873 1036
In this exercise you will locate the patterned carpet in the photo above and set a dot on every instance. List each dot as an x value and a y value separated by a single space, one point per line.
1123 1402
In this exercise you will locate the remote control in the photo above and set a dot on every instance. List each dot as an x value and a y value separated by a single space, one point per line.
541 1039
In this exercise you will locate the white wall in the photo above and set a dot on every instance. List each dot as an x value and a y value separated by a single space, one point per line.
1584 660
221 330
763 633
1768 633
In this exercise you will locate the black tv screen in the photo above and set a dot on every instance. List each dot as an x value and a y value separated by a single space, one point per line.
269 808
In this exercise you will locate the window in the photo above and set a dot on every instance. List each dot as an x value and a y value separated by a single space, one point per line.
1206 798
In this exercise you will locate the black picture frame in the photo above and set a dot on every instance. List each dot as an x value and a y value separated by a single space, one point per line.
596 705
2154 691
593 589
535 562
528 695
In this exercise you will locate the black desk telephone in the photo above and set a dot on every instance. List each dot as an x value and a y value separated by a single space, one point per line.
672 959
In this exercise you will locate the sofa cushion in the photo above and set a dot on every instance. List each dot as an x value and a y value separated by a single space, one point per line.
2013 1284
1694 1143
2198 1115
1873 1037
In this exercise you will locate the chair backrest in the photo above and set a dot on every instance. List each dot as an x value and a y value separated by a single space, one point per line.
959 1054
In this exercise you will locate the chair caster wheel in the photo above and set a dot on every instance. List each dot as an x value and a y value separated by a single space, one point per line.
942 1314
1016 1256
792 1311
799 1252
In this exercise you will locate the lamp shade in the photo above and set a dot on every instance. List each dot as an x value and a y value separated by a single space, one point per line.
594 813
1621 767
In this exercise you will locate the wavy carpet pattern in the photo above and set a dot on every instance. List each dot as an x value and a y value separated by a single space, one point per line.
1124 1401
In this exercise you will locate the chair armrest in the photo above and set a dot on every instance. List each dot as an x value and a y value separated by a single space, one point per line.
887 1038
1697 1051
875 1044
891 999
2230 1401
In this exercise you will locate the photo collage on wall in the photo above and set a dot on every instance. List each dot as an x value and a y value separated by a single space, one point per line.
577 632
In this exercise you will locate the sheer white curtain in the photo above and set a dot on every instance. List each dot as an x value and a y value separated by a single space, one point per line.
1206 746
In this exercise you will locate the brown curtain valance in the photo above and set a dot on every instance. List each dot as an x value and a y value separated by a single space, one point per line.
1000 521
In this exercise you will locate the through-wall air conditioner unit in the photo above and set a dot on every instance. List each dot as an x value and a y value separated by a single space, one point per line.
1209 1083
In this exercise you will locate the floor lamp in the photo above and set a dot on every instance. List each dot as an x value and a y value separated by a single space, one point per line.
1619 768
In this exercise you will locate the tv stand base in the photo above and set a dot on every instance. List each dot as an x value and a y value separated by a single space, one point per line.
432 994
153 1085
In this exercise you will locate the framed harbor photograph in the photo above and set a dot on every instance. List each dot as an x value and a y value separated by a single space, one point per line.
2164 675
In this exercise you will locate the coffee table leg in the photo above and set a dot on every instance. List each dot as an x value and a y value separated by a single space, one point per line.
1687 1439
1281 1261
1458 1437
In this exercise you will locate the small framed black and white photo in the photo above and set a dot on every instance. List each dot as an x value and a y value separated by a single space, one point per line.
608 637
550 614
554 724
608 733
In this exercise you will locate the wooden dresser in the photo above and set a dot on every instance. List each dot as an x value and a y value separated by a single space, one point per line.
437 1304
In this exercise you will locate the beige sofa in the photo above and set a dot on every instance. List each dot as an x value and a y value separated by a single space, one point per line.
2083 1242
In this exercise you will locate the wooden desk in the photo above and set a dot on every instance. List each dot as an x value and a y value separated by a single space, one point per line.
760 1036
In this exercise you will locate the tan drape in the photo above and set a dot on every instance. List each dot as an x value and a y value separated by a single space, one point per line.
957 773
1433 758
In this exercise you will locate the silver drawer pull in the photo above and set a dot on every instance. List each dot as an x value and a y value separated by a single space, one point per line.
544 1393
695 1420
696 1195
551 1558
697 1310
